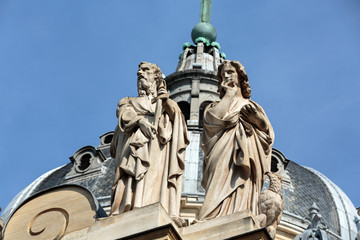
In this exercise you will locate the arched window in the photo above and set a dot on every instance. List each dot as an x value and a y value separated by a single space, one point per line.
201 112
185 108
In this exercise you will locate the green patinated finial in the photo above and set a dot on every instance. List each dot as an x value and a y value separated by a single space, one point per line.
204 29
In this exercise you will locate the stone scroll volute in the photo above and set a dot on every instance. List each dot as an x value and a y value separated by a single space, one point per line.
52 214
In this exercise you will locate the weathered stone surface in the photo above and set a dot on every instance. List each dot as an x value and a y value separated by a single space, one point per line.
152 222
235 162
53 213
271 205
149 147
222 228
137 222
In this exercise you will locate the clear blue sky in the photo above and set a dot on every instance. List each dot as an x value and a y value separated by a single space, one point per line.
64 65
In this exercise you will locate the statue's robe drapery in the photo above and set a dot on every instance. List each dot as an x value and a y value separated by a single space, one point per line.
147 170
237 155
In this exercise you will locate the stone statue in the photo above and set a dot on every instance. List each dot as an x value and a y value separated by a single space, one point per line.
237 142
148 147
271 205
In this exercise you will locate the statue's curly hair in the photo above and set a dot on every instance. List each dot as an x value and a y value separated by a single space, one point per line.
242 76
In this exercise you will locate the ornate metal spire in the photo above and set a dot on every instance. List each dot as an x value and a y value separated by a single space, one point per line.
205 11
314 232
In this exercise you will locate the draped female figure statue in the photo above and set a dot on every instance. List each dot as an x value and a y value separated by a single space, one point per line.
237 142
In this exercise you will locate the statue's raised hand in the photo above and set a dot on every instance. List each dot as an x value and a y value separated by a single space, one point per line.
250 112
229 88
168 105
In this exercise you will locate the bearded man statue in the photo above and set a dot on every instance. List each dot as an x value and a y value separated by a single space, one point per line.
148 147
237 142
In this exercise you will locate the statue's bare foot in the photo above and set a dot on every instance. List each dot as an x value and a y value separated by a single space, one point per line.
180 222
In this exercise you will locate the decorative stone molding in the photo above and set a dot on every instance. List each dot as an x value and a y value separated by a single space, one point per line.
278 166
194 87
104 148
316 226
190 207
53 213
205 56
106 138
85 161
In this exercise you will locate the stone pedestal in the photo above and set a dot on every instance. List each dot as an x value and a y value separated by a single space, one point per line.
80 219
239 225
152 222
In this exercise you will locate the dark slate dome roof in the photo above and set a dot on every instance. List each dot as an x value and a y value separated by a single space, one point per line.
309 188
302 186
93 168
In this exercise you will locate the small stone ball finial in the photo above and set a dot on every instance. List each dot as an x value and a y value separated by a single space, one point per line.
205 30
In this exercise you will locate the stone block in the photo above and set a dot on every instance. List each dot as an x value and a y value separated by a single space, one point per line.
235 226
149 222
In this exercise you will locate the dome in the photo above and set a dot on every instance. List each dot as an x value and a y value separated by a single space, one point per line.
90 167
93 168
304 186
31 190
345 208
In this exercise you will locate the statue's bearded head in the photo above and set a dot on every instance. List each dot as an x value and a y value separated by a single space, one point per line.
229 70
149 77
